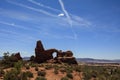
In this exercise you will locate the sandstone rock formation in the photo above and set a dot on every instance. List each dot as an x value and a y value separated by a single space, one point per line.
42 55
15 57
64 54
69 60
18 56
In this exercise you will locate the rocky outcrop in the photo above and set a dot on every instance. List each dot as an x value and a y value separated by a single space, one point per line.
64 54
69 60
18 56
65 57
42 55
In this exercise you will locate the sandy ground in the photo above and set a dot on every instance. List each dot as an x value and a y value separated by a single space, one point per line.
50 75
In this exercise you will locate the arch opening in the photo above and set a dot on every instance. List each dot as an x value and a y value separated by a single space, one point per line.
54 55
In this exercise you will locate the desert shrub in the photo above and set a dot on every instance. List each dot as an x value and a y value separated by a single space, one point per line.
11 75
77 68
41 65
32 64
8 60
94 74
69 75
55 71
29 74
36 69
27 67
48 67
55 66
87 76
69 69
23 76
62 70
41 78
41 73
18 66
1 72
64 78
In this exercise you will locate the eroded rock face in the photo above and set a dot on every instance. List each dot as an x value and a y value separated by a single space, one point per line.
42 55
64 54
15 57
69 60
18 56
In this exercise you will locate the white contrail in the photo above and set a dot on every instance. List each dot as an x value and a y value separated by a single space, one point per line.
65 11
68 17
34 9
74 18
72 21
42 5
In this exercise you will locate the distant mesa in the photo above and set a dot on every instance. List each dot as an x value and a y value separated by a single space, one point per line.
42 55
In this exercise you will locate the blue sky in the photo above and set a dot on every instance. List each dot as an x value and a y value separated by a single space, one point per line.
90 28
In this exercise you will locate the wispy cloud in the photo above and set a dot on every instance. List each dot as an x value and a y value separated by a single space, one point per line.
13 25
15 14
10 35
7 31
73 20
42 5
76 20
56 36
32 8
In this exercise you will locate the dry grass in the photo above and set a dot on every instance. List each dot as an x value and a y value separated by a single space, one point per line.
50 75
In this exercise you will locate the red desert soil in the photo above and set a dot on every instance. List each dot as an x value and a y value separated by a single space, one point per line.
50 75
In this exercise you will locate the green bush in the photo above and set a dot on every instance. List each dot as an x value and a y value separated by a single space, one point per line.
36 69
8 60
27 67
69 69
32 64
64 78
62 70
41 65
48 67
11 75
29 74
41 73
55 71
23 76
77 68
18 65
2 71
69 75
41 78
